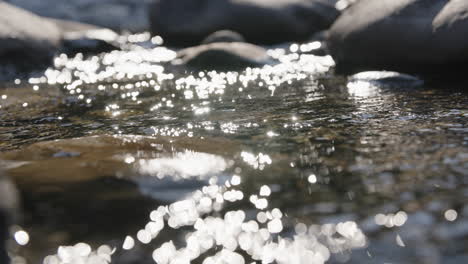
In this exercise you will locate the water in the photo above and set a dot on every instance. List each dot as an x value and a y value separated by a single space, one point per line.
391 158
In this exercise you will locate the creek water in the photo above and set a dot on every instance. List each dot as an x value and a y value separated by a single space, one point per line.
390 157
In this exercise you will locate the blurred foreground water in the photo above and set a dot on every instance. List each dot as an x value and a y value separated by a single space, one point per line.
309 156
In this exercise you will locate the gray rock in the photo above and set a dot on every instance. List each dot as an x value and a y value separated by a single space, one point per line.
118 15
451 231
67 26
85 38
223 56
401 35
30 41
91 40
187 22
26 37
223 36
344 4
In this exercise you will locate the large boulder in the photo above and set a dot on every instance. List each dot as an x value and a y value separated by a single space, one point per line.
187 22
118 15
29 41
26 37
422 36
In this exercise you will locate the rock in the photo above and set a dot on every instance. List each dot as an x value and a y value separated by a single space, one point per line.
91 158
188 22
68 26
402 35
85 38
451 231
29 42
25 37
104 187
223 56
223 36
344 4
93 40
387 79
118 15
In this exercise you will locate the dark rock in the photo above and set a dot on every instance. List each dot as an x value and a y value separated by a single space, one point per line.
223 56
223 36
320 36
25 37
403 35
188 22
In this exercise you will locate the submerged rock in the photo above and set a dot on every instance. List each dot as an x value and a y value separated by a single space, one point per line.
71 161
157 164
223 55
402 35
26 37
105 186
188 22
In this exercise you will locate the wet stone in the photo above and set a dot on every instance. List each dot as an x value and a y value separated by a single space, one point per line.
90 41
78 186
223 36
115 14
367 36
223 56
387 79
91 158
23 38
279 21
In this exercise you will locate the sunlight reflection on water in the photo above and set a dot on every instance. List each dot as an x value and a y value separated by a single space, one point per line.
351 163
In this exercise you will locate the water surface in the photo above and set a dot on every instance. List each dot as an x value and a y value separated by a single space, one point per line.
391 158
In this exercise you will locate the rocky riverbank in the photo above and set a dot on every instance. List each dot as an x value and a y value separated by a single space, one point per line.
406 36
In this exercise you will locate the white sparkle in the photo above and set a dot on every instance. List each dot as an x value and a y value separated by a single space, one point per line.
128 243
451 215
312 178
22 237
